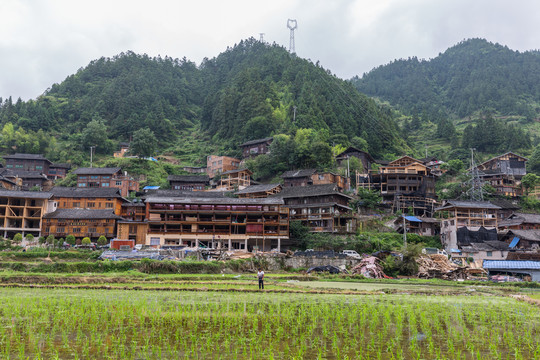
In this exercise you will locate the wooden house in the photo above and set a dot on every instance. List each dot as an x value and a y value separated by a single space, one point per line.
320 207
259 191
235 180
188 182
106 178
467 215
80 223
363 156
424 226
28 162
504 173
520 221
306 177
195 169
88 198
213 220
133 225
219 164
257 147
58 171
27 180
124 149
404 183
23 211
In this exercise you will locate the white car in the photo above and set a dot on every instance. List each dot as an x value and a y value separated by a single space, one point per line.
352 254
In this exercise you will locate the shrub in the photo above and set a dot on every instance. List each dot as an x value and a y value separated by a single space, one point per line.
86 241
102 240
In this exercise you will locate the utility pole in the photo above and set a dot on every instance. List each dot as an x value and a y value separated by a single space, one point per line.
292 25
348 172
91 154
294 114
404 232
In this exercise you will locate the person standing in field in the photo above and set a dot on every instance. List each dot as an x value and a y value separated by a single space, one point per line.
260 275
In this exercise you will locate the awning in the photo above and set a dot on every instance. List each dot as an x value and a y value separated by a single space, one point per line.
412 218
455 250
151 188
514 242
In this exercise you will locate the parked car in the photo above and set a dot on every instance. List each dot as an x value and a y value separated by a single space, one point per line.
352 253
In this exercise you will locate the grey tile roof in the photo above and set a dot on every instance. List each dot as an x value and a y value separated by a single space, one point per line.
529 235
19 156
311 190
468 204
85 193
525 218
298 173
257 188
215 201
189 178
236 170
81 214
23 174
61 165
504 204
183 193
257 141
96 171
25 194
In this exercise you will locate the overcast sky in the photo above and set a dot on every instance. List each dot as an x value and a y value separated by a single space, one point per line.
42 42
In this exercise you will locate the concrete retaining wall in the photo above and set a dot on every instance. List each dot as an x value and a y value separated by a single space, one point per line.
295 262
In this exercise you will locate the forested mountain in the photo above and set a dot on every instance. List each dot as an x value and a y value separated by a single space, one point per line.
249 91
474 75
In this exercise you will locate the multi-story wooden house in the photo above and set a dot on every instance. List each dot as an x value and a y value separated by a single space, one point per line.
467 215
23 211
320 207
363 156
80 223
257 147
504 173
188 182
232 223
235 180
88 198
58 171
133 225
520 221
28 162
306 177
405 183
27 179
106 178
219 164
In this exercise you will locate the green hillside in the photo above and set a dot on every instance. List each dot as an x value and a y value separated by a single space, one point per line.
247 92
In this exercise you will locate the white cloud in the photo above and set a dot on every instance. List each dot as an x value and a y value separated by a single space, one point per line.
43 42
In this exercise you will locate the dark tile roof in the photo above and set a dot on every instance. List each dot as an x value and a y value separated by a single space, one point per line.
529 235
133 204
298 173
307 191
504 204
19 156
257 188
352 149
97 171
183 193
257 141
85 193
25 194
215 201
525 218
236 171
23 174
468 204
81 214
189 178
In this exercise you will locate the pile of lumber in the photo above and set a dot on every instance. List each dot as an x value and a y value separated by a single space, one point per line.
369 267
438 266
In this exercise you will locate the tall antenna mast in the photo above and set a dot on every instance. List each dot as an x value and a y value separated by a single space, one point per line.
292 25
261 39
475 191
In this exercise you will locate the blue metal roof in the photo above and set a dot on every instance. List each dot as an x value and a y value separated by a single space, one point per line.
455 250
151 188
514 242
511 264
413 218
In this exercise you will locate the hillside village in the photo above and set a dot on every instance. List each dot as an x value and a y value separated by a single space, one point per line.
221 206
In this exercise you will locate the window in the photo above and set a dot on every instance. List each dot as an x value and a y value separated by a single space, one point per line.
60 230
76 230
109 205
76 204
119 183
154 241
39 167
489 253
94 177
18 166
9 166
82 177
104 184
91 204
81 184
106 177
92 230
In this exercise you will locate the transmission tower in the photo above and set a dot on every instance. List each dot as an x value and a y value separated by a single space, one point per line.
292 25
475 191
261 39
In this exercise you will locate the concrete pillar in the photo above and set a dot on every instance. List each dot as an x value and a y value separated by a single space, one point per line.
197 243
279 244
245 244
230 244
